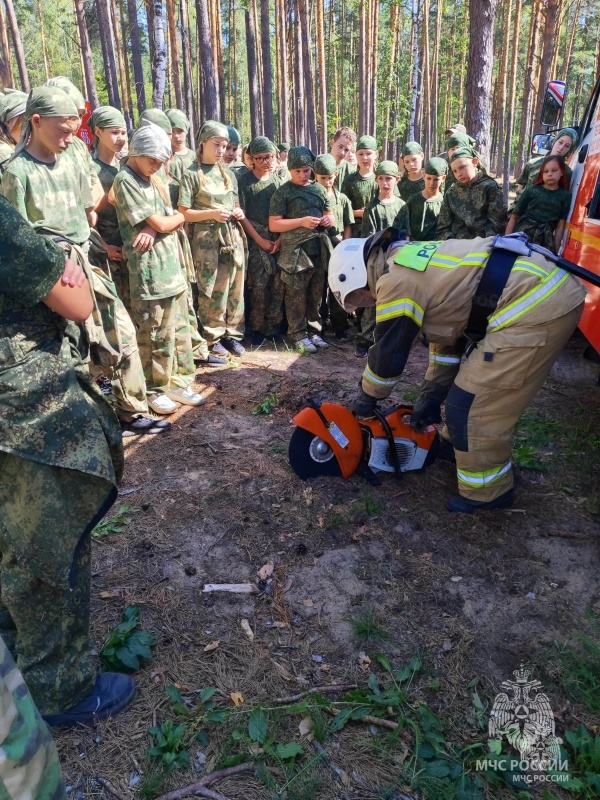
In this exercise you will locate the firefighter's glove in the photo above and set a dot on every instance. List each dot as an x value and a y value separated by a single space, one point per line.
427 409
363 405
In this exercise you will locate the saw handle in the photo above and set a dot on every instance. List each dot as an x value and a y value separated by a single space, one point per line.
391 443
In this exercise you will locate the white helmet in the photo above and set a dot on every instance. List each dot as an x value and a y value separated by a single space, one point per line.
347 269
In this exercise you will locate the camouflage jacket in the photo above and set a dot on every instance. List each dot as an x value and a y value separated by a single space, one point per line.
471 210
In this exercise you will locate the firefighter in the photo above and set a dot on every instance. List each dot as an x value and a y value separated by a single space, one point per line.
495 322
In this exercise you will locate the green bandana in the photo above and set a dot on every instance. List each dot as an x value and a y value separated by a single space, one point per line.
211 129
325 165
12 105
158 117
300 157
412 149
178 119
436 166
233 136
50 101
464 152
69 88
106 117
459 140
260 144
572 134
366 143
387 168
284 146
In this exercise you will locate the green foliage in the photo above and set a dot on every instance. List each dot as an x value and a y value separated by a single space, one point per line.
268 405
115 523
169 745
580 670
127 647
586 769
365 626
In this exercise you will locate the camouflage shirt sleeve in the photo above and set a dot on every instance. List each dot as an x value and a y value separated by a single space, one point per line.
188 188
278 205
132 203
444 223
496 221
522 202
14 191
348 213
402 221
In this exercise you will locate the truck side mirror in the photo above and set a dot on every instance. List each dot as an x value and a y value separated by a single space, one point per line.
541 144
554 100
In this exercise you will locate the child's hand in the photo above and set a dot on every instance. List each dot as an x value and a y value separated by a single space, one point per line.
144 241
311 222
238 213
73 274
327 220
222 215
265 244
115 253
276 246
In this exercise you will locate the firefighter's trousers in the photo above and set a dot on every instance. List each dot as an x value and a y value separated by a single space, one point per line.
492 389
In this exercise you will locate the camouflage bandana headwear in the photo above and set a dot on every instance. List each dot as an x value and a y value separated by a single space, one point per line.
284 147
387 168
156 117
458 127
233 136
573 136
47 101
299 158
211 129
178 119
12 104
106 117
150 140
69 88
459 140
260 144
464 152
436 166
412 149
366 143
325 165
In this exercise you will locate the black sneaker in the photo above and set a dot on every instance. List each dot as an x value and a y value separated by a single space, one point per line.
362 350
341 335
233 346
212 361
111 693
144 425
219 350
466 506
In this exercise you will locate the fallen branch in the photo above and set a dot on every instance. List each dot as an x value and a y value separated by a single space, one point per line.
109 788
199 789
234 588
316 690
380 723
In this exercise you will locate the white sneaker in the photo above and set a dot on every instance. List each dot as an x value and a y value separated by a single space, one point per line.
161 404
305 346
186 396
318 342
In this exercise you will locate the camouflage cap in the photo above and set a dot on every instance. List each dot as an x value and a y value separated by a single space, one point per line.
387 168
156 117
106 117
300 157
233 136
457 127
366 143
464 152
325 165
150 140
211 129
436 166
261 144
284 146
459 140
412 149
12 104
69 87
50 101
178 119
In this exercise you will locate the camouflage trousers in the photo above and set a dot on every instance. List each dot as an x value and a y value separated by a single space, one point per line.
164 342
30 766
303 298
188 318
120 275
46 517
266 294
367 326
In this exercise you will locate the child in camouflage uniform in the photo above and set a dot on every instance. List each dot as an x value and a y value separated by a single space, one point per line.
208 199
386 210
412 181
300 212
424 207
342 142
541 210
183 157
474 205
564 143
12 116
256 188
360 187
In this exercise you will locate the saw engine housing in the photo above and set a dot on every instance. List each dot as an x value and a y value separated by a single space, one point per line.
330 440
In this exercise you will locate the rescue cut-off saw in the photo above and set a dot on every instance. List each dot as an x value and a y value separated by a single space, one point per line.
330 440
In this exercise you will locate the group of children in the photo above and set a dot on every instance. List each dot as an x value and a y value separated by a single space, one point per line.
188 249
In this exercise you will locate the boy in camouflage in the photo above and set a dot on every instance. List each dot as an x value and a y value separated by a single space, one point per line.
342 142
12 117
183 157
301 211
474 205
424 207
256 188
386 210
412 181
359 187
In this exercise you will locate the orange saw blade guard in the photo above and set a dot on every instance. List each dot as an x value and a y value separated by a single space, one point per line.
338 442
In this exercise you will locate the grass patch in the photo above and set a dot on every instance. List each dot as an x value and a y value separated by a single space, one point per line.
115 524
267 406
366 627
411 394
580 670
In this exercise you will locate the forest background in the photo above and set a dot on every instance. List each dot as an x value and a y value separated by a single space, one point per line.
296 70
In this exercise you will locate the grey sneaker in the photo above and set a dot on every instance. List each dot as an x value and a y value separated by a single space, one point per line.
305 346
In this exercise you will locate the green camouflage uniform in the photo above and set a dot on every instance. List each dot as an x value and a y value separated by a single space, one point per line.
78 151
179 163
344 168
344 216
60 458
303 257
158 286
378 216
539 210
360 191
30 767
218 250
472 210
407 188
266 287
6 152
423 214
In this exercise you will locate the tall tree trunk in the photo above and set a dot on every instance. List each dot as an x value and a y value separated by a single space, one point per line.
385 145
368 66
255 122
309 75
284 80
120 51
523 150
149 5
510 119
253 5
460 106
551 18
217 40
160 54
127 89
502 88
6 59
136 55
299 112
451 79
210 95
479 74
86 55
108 52
43 37
265 37
17 45
174 42
415 69
435 77
566 65
374 64
362 63
190 106
426 80
322 78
